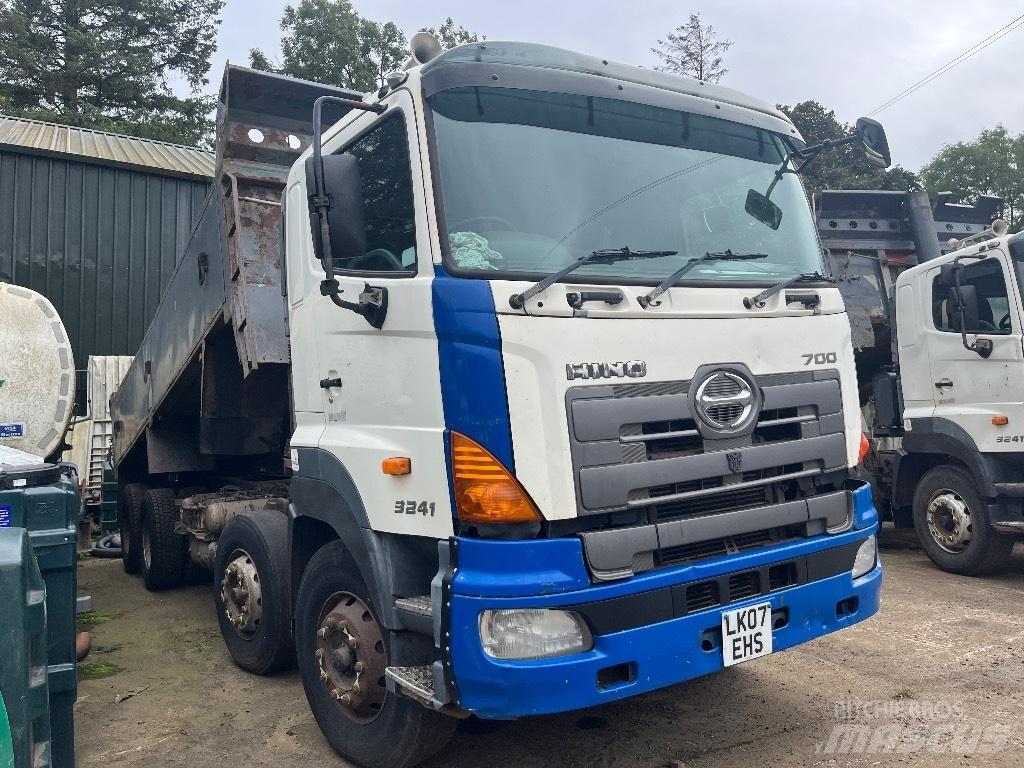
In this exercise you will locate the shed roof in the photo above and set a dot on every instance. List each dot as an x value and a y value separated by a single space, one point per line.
107 148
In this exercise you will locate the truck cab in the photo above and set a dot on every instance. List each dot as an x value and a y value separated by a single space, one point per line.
957 403
565 408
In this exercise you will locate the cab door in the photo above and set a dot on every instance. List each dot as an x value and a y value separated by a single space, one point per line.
967 388
380 388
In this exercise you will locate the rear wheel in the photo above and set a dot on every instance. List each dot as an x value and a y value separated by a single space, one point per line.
342 653
163 551
129 521
251 591
952 523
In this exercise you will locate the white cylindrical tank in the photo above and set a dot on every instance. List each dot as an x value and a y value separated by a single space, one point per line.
37 372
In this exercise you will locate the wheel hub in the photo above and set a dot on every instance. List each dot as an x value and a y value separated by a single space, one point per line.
350 654
949 521
242 595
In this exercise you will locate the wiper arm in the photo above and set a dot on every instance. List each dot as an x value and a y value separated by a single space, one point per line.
648 300
605 256
758 301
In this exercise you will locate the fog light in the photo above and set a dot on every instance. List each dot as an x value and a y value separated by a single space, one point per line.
866 558
533 633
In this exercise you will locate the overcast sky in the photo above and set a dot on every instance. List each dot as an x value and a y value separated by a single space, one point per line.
851 55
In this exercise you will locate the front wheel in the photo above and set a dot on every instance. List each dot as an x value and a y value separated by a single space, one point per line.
952 523
342 653
250 584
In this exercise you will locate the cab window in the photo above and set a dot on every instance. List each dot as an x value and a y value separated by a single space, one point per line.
993 300
388 213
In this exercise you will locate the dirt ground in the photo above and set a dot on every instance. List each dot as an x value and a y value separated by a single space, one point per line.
935 679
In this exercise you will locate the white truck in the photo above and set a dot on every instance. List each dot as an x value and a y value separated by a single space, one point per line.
506 392
949 417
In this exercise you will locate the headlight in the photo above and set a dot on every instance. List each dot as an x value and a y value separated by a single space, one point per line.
867 556
533 633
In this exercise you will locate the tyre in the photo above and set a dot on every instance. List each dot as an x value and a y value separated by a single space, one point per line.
163 551
250 586
342 653
129 520
952 524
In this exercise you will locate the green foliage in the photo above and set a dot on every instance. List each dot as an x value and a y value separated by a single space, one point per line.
98 670
693 50
989 165
451 36
844 167
110 64
92 618
329 42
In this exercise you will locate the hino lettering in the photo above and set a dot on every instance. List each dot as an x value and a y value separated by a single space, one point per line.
633 369
447 544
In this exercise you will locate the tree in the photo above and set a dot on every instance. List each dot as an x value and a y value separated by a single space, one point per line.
989 165
329 42
451 36
110 64
843 167
693 50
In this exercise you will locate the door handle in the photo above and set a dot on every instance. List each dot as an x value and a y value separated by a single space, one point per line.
943 383
329 383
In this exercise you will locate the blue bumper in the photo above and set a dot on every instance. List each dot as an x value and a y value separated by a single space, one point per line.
551 573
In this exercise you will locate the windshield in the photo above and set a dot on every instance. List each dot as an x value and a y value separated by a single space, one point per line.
531 181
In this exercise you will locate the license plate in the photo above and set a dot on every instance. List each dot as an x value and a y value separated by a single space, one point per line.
746 633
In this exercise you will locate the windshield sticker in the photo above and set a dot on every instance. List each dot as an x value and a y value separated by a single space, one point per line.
471 251
5 516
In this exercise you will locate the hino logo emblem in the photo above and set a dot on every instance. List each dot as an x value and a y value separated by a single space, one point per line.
725 401
632 369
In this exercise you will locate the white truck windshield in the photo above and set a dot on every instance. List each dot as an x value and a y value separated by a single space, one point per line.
533 180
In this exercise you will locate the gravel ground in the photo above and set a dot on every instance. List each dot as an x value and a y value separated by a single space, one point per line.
935 679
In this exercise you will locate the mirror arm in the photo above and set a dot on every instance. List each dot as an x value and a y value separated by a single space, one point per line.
322 204
983 347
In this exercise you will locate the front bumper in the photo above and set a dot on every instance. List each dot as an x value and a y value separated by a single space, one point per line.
641 627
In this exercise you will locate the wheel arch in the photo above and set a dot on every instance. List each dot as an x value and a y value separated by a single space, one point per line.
325 507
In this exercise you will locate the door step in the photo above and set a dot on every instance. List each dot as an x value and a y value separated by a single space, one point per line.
415 682
417 613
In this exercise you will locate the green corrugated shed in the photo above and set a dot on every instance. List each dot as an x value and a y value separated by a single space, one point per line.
96 222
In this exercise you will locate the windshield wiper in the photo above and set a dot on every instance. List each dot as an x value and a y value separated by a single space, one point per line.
648 300
605 256
807 277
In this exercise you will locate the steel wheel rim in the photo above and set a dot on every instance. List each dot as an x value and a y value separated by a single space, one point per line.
351 657
242 594
950 522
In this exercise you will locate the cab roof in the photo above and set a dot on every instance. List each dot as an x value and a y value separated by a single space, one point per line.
550 57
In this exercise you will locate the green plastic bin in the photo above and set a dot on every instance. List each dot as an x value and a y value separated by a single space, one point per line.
23 671
44 499
6 742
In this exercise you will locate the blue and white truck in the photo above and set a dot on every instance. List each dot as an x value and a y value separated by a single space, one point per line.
513 388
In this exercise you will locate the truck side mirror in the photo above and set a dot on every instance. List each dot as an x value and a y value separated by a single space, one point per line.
965 305
343 187
947 274
876 146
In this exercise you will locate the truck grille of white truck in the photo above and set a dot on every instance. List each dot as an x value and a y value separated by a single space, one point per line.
685 492
639 446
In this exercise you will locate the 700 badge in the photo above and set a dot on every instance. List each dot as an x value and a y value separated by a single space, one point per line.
412 507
